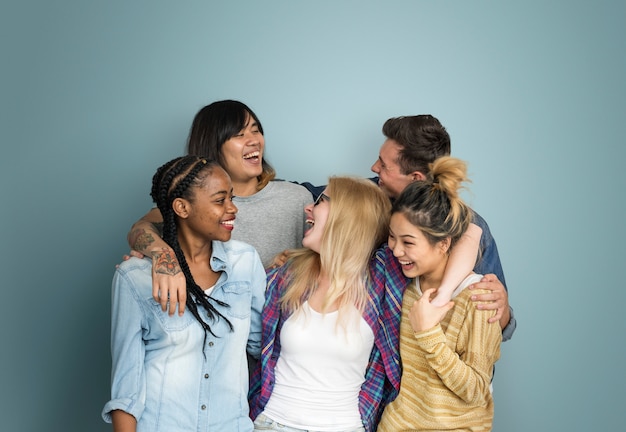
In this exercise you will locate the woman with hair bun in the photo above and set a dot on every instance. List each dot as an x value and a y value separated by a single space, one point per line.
447 352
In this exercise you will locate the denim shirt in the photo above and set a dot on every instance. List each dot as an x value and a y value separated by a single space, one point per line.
164 372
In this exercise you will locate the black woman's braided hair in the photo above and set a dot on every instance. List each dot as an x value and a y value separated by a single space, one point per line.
176 179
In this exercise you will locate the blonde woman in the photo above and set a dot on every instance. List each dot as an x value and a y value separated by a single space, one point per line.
325 361
448 351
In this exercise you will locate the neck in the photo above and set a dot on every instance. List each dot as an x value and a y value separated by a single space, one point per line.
195 250
433 278
245 187
318 297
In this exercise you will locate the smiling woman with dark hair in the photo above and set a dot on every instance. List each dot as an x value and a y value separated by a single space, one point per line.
183 373
270 214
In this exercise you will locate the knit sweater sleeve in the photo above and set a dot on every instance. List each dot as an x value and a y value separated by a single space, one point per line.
468 373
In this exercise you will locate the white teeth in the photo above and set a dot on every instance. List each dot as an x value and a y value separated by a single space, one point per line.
251 155
404 262
310 222
229 222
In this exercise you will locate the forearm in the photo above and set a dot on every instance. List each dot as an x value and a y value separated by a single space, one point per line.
469 382
123 422
460 263
509 327
505 318
145 237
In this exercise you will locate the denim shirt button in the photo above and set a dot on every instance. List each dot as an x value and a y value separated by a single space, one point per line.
203 407
206 375
211 344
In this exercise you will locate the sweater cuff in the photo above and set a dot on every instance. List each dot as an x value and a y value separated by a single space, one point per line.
427 340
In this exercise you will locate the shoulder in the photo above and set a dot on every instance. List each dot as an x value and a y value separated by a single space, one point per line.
134 266
293 189
480 221
462 294
134 274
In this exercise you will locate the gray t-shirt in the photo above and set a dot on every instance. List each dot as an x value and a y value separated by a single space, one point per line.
272 219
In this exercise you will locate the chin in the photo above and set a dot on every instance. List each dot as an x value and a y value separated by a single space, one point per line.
411 273
310 245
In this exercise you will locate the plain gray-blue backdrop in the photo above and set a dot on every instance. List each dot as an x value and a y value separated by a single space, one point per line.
96 95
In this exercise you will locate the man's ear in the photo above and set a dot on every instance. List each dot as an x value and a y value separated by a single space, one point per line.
417 176
181 207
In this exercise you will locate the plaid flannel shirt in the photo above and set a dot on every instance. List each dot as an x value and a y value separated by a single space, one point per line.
382 313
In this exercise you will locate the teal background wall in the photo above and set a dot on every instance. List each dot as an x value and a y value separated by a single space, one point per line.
96 95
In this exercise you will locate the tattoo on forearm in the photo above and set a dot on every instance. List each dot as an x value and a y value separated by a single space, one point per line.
141 239
165 262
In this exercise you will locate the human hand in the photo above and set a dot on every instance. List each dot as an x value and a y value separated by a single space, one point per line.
442 298
281 258
424 315
132 253
168 281
497 299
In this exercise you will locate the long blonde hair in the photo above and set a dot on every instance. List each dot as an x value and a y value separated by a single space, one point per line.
358 222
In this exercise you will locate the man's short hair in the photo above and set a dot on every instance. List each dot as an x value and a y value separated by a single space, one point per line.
422 139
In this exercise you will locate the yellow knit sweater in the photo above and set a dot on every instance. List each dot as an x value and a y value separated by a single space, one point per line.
446 370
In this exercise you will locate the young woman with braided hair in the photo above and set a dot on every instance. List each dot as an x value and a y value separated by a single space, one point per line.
270 211
447 352
188 372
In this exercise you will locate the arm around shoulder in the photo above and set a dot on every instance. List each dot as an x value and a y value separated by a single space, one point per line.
168 280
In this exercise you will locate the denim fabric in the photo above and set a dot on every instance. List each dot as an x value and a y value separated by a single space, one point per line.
164 371
490 263
264 423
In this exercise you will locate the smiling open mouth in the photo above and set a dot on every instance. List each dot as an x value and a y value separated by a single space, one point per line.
253 155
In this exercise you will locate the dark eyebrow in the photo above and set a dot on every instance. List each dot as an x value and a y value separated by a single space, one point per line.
221 192
402 236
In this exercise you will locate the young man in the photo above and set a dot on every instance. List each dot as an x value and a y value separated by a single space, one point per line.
412 144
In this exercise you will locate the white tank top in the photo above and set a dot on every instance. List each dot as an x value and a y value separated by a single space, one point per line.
320 371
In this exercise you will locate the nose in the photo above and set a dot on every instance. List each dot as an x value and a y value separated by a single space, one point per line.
396 249
252 137
376 167
308 209
232 208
